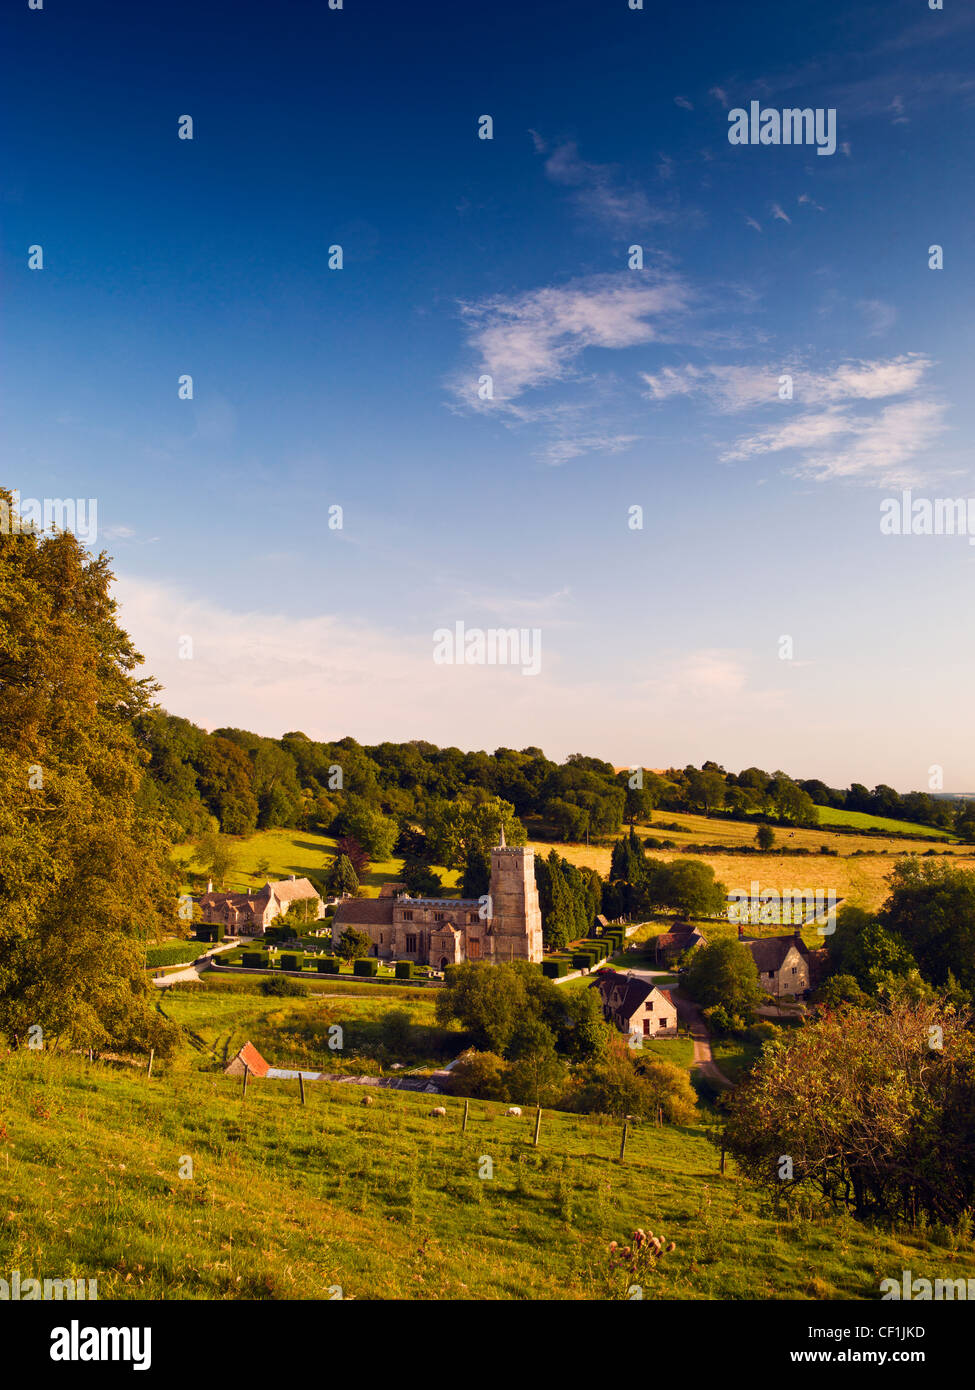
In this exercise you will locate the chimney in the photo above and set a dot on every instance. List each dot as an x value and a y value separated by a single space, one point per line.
292 878
209 885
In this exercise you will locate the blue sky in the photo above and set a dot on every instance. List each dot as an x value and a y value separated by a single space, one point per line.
613 387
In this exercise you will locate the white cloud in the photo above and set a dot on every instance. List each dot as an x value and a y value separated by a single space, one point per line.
538 338
779 214
719 94
831 432
750 222
683 103
878 315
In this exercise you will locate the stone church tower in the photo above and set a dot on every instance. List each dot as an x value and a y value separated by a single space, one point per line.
515 929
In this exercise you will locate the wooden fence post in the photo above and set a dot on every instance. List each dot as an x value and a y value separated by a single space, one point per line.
722 1158
152 1053
538 1125
247 1072
467 1111
301 1087
623 1138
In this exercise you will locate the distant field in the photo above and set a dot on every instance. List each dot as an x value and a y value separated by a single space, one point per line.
385 1201
829 815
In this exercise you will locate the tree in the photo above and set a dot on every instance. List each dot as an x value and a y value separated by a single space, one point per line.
625 1082
725 973
558 925
486 999
765 836
262 870
216 855
353 851
583 1034
340 876
420 881
364 823
536 1074
353 944
86 877
481 1075
454 827
706 790
477 873
871 1116
689 887
396 1031
932 909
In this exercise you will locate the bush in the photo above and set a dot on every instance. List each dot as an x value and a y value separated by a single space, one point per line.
327 965
368 965
254 960
281 987
404 970
290 962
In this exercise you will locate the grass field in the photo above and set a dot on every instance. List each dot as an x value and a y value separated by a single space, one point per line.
221 1016
860 820
297 852
385 1201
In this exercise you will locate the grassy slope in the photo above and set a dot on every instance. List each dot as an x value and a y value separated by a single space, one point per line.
295 1032
297 852
383 1201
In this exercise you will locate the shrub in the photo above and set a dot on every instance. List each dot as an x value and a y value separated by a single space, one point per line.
254 960
290 962
327 965
366 966
404 970
281 986
555 969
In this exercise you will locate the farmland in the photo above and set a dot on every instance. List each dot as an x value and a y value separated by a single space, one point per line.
385 1201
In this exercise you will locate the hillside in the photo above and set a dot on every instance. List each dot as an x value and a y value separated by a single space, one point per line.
385 1201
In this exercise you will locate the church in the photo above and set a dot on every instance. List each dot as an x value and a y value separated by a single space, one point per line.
505 926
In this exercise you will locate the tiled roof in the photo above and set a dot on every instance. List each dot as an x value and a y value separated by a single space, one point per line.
292 888
768 952
255 1063
368 911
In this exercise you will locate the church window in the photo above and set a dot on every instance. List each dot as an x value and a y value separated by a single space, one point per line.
407 916
411 944
438 917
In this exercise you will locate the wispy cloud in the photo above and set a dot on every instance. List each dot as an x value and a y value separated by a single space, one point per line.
601 195
535 339
779 213
832 433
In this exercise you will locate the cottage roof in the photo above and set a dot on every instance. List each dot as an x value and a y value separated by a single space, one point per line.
291 889
768 952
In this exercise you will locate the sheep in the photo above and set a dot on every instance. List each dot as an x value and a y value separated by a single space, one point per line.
513 1110
439 1110
367 1100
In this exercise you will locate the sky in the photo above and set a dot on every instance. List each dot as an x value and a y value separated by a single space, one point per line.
785 360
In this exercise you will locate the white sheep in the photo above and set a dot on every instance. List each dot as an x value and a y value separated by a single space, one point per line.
440 1110
513 1110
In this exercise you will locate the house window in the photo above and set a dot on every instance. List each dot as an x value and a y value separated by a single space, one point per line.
438 917
407 916
411 945
646 1027
380 938
793 970
649 1008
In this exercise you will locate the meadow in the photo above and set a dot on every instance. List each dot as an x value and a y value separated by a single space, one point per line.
179 1188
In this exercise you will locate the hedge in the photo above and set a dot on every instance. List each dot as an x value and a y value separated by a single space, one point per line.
555 969
290 962
404 970
367 966
327 965
254 960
